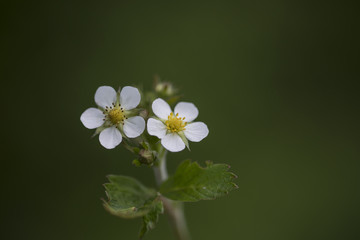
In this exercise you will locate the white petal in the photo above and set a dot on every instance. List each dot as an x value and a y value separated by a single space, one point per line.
187 110
129 97
92 118
105 96
134 126
161 108
110 137
173 142
196 131
156 128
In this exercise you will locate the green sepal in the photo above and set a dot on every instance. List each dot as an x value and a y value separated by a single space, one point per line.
145 145
98 131
128 198
192 182
118 96
136 150
184 139
133 112
136 162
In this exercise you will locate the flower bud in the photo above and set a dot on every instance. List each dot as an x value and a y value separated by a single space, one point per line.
147 156
165 89
144 113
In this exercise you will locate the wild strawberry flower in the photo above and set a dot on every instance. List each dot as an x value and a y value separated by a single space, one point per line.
175 128
114 116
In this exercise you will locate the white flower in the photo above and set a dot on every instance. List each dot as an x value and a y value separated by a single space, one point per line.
114 115
175 128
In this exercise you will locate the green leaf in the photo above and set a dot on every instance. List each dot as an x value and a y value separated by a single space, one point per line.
150 219
128 198
192 183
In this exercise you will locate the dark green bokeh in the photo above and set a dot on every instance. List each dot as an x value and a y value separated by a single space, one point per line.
275 82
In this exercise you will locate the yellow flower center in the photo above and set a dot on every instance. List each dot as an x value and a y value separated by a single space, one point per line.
175 123
115 114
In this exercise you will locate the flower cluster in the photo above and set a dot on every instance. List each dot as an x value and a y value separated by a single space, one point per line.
116 117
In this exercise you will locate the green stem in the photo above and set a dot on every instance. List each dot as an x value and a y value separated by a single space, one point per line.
174 210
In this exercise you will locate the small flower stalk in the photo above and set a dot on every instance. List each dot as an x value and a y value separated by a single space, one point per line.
121 117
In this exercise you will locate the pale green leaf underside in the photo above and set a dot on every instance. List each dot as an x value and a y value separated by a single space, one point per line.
151 218
128 198
192 183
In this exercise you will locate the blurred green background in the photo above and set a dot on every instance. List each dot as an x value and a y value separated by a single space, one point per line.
275 81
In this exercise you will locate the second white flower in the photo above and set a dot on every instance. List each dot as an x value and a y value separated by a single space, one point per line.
175 128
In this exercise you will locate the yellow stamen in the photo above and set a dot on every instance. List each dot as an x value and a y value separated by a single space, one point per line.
175 123
116 115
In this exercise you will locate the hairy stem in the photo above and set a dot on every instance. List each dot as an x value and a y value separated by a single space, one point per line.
174 210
